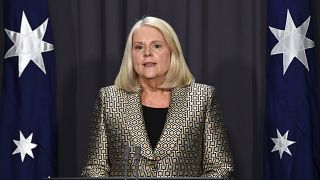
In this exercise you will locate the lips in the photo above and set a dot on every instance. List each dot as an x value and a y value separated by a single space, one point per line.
149 64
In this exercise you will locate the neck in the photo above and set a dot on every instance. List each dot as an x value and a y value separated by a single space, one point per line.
152 95
151 85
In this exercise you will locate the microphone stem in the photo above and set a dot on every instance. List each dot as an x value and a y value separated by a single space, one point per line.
137 161
126 159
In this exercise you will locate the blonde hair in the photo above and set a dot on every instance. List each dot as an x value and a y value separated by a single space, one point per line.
178 74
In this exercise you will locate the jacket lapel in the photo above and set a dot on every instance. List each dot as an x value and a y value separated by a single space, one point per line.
174 123
171 132
136 126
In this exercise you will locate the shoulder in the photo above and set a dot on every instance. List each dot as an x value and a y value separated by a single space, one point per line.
111 91
112 97
202 89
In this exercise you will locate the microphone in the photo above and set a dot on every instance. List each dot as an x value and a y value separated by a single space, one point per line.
137 156
126 159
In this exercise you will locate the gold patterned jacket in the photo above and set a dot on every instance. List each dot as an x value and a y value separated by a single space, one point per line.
193 141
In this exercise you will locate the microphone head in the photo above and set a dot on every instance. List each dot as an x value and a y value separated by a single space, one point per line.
126 152
137 153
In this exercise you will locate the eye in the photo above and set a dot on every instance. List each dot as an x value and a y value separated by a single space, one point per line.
138 47
157 46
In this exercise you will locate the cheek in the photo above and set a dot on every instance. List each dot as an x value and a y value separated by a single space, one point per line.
135 63
167 61
135 59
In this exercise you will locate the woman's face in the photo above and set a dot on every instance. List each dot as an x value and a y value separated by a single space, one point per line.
150 53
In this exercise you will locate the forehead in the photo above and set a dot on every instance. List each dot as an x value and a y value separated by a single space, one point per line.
144 33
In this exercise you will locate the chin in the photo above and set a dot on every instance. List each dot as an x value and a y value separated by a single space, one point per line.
149 75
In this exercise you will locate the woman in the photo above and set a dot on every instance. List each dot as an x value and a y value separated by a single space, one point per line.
155 106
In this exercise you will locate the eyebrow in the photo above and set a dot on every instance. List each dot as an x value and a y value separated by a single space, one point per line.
140 42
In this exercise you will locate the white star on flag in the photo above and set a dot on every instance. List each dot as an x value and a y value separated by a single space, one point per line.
24 146
292 42
282 143
28 44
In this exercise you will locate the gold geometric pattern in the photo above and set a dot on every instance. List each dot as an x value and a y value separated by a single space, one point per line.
193 141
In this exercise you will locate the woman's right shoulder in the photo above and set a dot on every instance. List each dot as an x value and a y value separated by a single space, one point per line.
111 90
112 96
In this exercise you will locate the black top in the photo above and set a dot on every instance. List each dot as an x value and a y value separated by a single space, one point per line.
154 119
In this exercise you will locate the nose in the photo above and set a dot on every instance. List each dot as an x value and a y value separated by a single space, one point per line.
147 52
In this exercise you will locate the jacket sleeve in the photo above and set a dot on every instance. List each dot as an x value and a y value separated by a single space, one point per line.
97 164
217 159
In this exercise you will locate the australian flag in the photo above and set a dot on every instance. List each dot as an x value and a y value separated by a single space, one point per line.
292 116
27 107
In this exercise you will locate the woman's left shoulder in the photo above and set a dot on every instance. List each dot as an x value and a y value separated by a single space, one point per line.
202 88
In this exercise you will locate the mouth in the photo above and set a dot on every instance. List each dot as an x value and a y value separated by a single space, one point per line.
149 64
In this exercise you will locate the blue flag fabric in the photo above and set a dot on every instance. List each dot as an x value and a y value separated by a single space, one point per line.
292 116
27 108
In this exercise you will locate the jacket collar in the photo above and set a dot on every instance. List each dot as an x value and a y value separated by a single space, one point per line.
172 129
